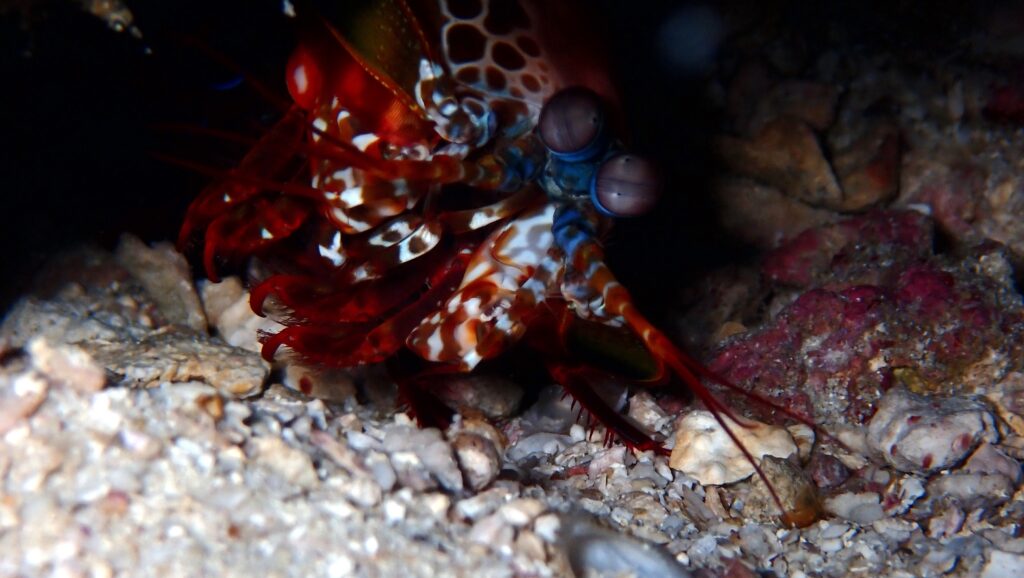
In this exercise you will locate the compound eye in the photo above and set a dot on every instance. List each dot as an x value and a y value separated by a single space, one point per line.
571 125
626 185
305 78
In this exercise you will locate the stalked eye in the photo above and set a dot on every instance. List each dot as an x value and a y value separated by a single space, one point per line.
304 78
626 185
572 124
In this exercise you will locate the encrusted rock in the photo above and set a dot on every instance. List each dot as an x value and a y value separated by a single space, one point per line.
704 451
926 434
800 502
179 356
166 277
227 307
785 153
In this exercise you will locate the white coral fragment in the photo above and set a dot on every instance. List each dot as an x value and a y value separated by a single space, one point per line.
705 452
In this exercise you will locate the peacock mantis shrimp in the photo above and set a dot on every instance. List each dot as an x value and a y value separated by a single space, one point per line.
446 198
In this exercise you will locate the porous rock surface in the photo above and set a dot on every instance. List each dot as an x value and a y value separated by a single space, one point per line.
102 477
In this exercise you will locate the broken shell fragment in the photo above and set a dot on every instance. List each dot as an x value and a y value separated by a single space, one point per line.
704 451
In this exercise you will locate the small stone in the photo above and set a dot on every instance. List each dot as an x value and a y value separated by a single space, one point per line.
538 444
827 471
167 278
363 492
547 527
911 489
482 504
613 459
494 532
973 491
940 561
988 459
894 529
803 435
645 411
478 459
531 546
800 502
20 396
922 434
705 452
418 454
593 550
947 522
863 508
493 396
381 470
67 364
394 511
1003 565
521 512
291 464
227 307
868 167
334 385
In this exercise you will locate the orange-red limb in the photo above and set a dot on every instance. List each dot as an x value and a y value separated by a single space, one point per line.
358 344
249 229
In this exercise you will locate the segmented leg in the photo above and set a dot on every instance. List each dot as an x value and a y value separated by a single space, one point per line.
578 382
357 344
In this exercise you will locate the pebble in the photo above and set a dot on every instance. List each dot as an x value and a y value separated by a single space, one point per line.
67 365
166 277
799 497
1003 565
20 396
973 491
921 434
594 550
704 451
827 471
227 308
292 465
477 458
421 456
861 508
988 459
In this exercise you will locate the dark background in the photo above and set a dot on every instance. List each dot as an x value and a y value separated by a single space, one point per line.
80 103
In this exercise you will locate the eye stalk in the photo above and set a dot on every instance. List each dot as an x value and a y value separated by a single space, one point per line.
572 125
626 185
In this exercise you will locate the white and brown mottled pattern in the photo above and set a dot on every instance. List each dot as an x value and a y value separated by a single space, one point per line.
480 320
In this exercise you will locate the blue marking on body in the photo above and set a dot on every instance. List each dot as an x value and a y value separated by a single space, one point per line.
593 150
571 229
228 84
521 167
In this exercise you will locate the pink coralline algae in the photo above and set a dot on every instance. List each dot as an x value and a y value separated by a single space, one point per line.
869 304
